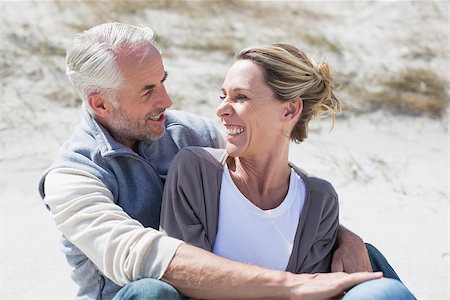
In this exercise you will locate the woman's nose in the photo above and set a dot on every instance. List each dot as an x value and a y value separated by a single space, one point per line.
223 108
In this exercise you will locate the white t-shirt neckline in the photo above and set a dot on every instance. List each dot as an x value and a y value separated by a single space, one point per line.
251 235
265 213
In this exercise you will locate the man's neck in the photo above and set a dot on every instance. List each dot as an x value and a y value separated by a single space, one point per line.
116 135
132 144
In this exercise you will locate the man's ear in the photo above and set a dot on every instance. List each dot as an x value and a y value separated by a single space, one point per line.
293 108
99 104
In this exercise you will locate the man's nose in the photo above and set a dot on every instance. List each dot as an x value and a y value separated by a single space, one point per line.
164 100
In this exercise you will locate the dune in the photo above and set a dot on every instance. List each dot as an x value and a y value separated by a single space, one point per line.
388 160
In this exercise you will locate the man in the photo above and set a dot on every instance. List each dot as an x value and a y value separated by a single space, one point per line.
105 186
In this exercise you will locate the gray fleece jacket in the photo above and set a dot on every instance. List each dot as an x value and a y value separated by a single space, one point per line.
102 214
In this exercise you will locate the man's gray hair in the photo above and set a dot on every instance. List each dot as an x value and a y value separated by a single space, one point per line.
91 59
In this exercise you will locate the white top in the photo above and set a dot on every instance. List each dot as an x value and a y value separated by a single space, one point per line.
121 247
251 235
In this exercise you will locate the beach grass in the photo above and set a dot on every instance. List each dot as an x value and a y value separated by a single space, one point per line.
221 28
414 91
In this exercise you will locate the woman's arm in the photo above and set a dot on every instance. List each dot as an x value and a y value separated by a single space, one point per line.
184 208
323 218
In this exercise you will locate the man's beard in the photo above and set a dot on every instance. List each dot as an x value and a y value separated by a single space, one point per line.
136 129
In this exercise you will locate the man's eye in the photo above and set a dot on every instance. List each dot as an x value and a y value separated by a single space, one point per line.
222 97
149 92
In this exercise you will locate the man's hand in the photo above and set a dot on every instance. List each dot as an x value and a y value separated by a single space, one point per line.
351 254
330 285
197 273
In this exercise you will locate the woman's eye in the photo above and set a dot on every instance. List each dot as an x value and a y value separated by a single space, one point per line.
236 98
241 98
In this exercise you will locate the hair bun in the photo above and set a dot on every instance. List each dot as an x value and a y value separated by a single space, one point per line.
324 70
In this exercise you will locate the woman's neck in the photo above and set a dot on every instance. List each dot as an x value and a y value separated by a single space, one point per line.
264 179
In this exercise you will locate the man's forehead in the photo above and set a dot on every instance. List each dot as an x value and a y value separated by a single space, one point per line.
127 56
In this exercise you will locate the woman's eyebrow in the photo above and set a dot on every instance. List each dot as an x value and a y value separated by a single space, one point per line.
237 89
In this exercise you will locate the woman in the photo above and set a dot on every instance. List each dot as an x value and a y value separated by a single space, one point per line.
248 202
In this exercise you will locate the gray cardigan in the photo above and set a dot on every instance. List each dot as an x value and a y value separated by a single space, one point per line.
190 209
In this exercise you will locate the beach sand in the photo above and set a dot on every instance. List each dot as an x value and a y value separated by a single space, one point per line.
390 170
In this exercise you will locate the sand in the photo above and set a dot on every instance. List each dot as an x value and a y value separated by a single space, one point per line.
390 170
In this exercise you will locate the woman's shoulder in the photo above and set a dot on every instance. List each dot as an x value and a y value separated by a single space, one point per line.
315 184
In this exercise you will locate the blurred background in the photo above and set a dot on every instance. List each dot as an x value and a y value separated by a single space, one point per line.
387 154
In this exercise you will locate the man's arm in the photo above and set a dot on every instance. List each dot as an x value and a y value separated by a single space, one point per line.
121 247
125 251
200 274
351 254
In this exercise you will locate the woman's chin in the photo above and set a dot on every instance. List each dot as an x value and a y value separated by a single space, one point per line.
232 150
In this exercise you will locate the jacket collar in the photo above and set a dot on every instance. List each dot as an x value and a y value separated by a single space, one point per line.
108 146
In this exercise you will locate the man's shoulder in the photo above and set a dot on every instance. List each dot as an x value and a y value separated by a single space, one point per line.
81 148
81 151
202 155
198 164
188 129
186 119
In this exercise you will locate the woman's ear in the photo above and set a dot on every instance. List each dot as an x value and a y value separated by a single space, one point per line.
99 104
293 108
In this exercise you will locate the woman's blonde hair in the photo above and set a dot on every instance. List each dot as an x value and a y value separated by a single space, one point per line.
291 73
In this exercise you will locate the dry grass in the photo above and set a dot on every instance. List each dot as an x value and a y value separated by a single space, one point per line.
100 11
321 42
412 91
37 45
222 27
6 67
202 11
64 97
200 35
425 53
105 11
200 8
224 45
